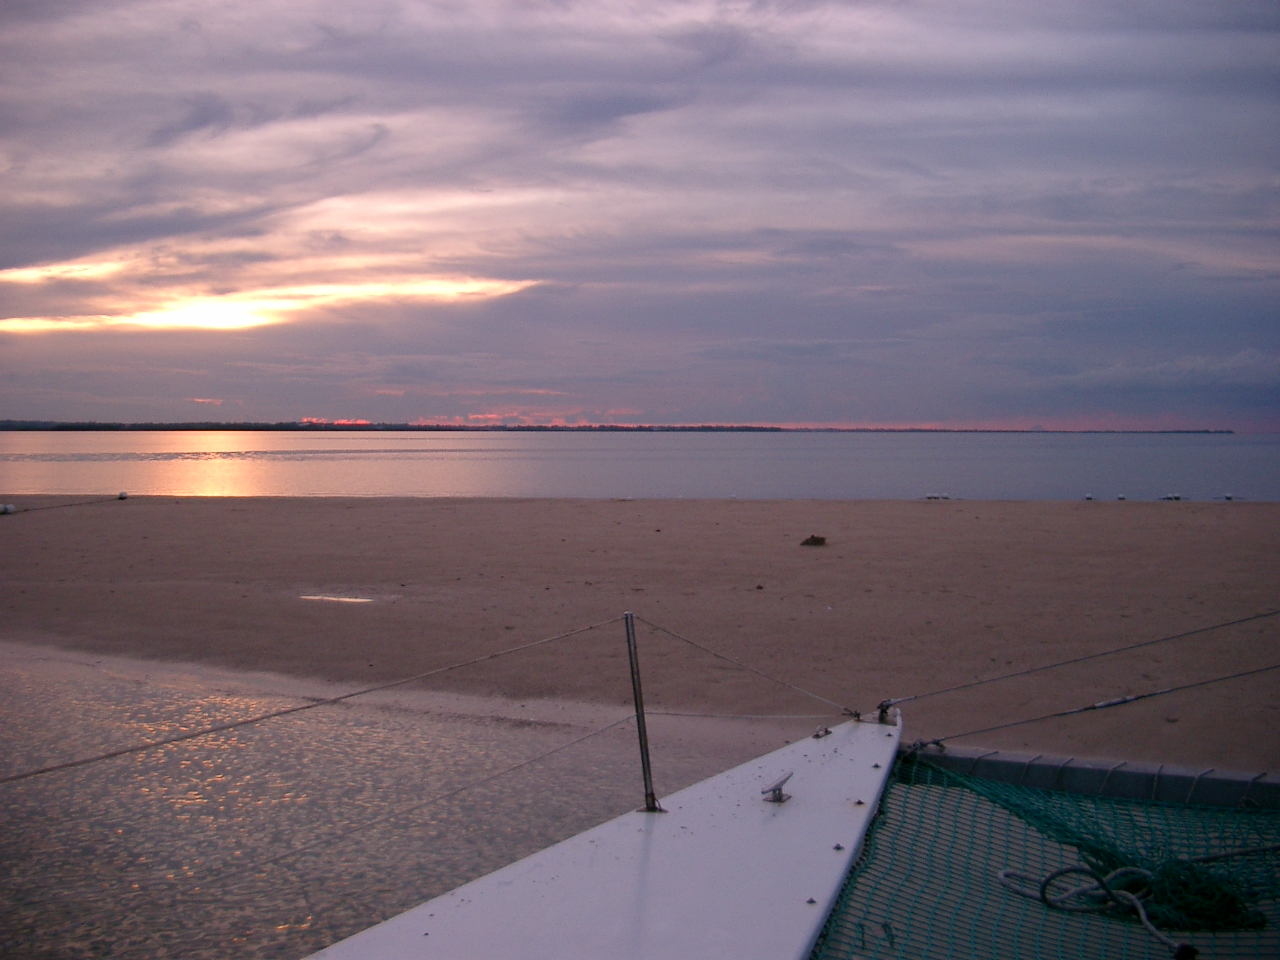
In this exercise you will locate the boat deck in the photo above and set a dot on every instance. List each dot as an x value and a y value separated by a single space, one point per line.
723 872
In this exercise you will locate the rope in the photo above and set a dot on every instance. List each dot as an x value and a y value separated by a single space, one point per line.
1098 896
1118 701
760 673
232 725
1063 663
1095 897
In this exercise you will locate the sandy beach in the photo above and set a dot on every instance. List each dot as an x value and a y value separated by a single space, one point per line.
906 597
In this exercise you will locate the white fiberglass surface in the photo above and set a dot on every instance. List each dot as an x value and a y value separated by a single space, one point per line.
722 873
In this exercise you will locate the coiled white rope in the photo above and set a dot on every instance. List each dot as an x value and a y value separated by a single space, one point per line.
1096 896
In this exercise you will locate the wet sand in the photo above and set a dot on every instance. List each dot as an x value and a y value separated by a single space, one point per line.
906 597
276 838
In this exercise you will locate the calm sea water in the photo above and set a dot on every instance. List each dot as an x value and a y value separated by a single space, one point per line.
982 466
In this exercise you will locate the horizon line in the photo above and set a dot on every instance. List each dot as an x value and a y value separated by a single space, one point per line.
315 425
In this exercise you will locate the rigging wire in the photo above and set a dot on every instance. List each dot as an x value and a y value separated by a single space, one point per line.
884 705
401 811
221 878
76 503
739 716
234 724
760 673
1063 663
1118 701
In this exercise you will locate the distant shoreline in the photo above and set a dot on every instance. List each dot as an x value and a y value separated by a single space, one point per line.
311 427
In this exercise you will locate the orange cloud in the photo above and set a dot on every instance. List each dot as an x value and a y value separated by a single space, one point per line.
156 288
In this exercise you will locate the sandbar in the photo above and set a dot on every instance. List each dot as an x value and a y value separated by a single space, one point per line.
905 597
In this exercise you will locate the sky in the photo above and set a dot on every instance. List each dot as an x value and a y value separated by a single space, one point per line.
997 213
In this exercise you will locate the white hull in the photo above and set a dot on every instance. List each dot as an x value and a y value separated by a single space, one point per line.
723 873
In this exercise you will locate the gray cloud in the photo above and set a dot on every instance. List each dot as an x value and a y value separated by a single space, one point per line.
1248 368
787 211
204 111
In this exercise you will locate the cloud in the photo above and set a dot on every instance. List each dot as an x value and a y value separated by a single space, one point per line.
1248 368
204 111
698 209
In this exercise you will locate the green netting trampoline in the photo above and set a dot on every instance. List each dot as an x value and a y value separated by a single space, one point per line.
928 884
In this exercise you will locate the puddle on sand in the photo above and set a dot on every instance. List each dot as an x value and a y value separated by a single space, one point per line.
276 839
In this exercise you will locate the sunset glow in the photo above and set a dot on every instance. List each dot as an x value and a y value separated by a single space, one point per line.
242 311
61 271
675 212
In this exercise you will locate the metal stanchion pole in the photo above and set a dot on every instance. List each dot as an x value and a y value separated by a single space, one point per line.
650 799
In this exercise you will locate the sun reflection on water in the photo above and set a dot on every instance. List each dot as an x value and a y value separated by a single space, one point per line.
281 837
